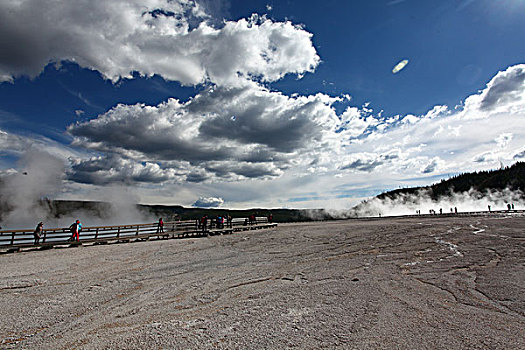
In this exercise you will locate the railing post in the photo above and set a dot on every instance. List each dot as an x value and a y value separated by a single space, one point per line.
118 233
44 238
12 238
96 233
137 233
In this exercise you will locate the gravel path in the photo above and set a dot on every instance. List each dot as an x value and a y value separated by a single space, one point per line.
413 283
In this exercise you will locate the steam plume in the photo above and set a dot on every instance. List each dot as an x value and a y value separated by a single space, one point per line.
25 197
407 204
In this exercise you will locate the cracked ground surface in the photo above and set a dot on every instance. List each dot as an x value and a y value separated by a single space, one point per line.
410 283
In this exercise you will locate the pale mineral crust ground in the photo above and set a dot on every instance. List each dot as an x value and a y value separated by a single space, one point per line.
410 283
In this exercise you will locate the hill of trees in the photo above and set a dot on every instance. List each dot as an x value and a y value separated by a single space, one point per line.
512 178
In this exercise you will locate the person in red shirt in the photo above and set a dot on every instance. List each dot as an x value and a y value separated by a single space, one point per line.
160 227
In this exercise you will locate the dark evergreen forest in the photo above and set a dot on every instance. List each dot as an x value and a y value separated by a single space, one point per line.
512 177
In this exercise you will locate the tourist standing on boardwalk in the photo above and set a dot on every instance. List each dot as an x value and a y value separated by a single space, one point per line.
75 231
160 227
38 232
204 222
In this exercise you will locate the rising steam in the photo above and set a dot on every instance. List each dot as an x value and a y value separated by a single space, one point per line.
25 197
408 204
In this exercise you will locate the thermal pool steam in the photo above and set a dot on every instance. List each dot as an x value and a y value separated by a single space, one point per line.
25 197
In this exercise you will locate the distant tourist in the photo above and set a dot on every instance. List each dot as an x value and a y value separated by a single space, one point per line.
508 206
455 210
38 232
512 206
489 208
204 223
440 211
160 226
75 229
229 219
270 218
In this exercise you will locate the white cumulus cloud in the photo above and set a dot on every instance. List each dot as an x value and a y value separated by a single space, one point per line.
208 202
172 39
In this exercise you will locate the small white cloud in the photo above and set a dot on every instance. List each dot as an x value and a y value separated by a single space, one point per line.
208 202
503 139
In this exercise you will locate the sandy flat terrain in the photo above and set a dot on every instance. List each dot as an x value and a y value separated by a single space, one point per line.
413 283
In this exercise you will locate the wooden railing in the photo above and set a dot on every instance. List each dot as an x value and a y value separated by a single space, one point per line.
16 239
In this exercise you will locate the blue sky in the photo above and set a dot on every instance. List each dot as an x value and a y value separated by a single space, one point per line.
189 102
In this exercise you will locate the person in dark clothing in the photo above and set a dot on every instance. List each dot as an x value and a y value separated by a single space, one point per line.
160 227
204 222
38 232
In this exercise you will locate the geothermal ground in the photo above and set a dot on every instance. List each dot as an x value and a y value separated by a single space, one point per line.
409 283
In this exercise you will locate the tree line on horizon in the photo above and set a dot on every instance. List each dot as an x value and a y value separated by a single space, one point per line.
510 177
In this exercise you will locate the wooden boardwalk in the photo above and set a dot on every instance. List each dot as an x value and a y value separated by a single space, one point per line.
15 240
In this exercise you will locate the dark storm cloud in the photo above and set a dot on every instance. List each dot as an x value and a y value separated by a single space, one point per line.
246 170
228 133
260 155
286 133
113 169
254 115
198 176
154 132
